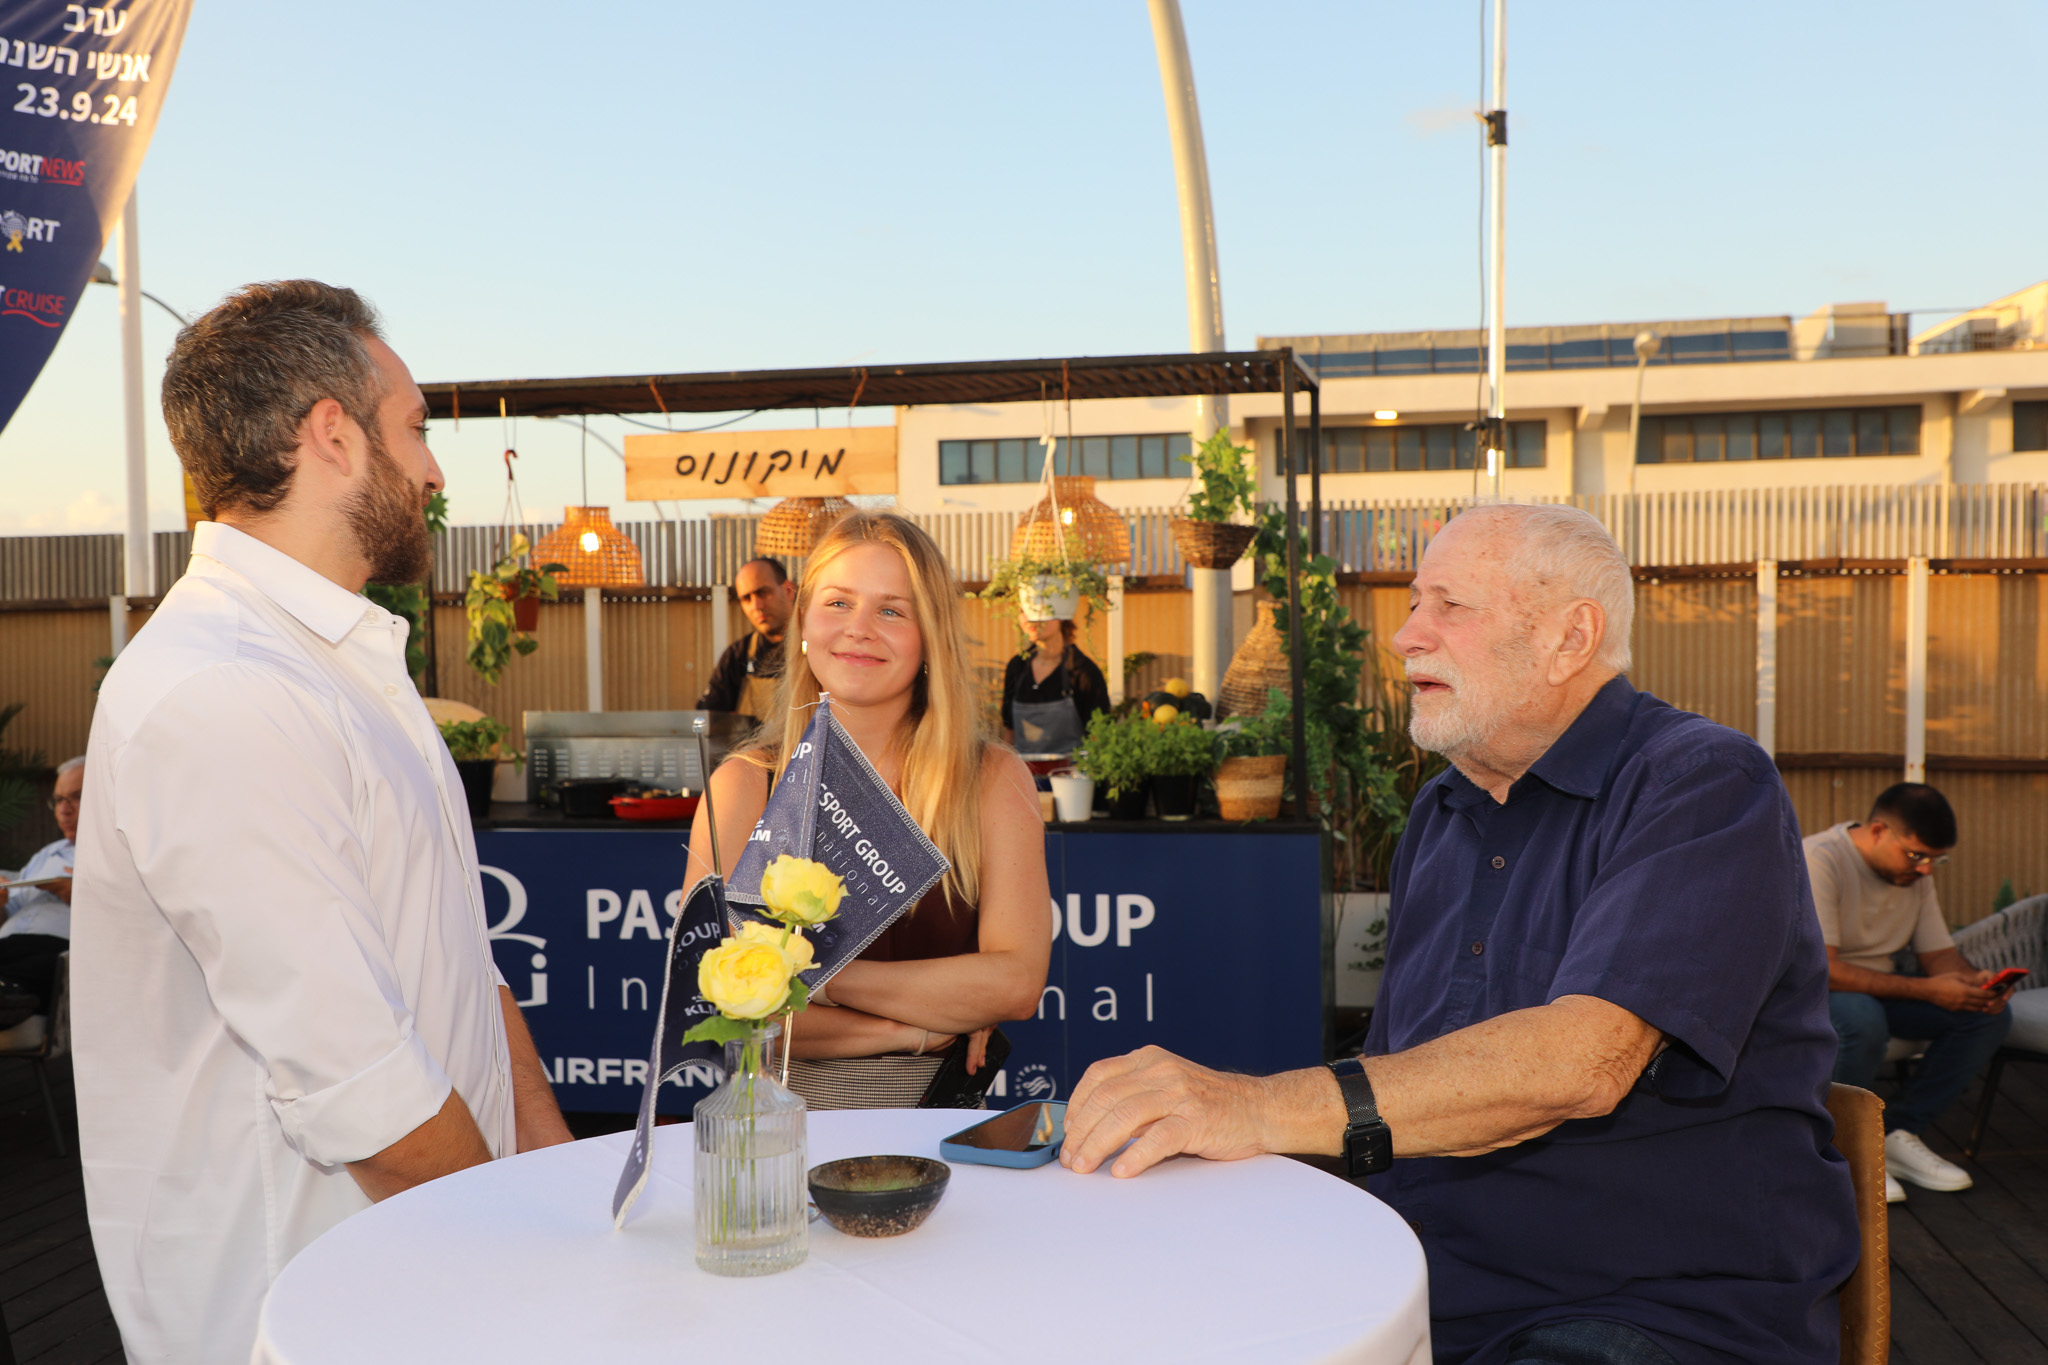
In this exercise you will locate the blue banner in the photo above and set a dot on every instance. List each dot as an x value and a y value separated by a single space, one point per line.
80 90
833 807
1209 942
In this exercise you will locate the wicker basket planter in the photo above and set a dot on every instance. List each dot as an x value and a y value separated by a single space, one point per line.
1212 544
1250 788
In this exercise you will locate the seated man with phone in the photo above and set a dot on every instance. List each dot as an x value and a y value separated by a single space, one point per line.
1873 886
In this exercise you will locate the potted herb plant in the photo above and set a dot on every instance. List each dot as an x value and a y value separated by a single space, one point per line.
1207 537
1181 753
503 607
1116 753
1252 777
1050 587
474 746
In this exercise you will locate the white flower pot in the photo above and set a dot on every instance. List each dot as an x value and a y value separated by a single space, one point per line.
1042 600
1073 796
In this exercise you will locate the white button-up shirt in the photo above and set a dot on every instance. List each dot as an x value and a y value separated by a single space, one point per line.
279 956
33 910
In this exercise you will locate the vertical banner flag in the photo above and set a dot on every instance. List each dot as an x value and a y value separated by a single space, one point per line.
830 806
700 926
833 807
80 90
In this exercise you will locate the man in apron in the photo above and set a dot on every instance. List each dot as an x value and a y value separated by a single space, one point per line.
745 676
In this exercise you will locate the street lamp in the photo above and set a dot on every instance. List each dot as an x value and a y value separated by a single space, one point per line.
1648 343
104 274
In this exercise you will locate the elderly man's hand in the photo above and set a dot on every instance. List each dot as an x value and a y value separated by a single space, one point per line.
1169 1105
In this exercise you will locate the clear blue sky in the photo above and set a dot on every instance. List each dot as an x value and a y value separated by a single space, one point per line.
525 190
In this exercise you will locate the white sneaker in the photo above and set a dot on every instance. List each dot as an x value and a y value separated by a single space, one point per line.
1894 1192
1907 1157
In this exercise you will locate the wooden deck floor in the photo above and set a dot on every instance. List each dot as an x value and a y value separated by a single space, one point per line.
1969 1270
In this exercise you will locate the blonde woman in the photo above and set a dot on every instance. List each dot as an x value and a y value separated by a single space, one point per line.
878 625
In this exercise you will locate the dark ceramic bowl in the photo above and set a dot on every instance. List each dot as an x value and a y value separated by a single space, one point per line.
878 1196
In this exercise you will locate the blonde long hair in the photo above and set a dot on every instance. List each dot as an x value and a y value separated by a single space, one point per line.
942 742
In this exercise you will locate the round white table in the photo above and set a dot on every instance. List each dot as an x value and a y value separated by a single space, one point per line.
1265 1261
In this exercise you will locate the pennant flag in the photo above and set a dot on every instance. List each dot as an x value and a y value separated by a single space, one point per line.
699 927
85 84
833 807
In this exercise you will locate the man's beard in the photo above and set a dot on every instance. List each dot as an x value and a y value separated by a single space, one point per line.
389 524
1468 717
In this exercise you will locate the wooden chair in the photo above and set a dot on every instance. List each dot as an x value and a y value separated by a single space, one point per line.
1867 1297
56 1044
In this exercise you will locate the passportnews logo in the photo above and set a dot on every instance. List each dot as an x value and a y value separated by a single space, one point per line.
33 168
46 310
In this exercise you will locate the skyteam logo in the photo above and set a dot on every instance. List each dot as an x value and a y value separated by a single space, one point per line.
1035 1082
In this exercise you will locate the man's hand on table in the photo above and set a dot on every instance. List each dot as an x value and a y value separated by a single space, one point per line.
1172 1106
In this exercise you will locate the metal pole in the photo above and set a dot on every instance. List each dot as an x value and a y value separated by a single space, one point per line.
1298 721
1916 670
140 577
1767 655
1315 470
1496 309
1197 219
593 648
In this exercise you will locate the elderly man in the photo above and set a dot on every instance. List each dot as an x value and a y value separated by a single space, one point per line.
744 678
38 918
1602 1044
284 1003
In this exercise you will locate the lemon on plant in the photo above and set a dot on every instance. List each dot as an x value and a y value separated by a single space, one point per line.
1165 715
1178 686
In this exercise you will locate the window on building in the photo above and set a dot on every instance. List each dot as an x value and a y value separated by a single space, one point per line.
1443 445
2030 426
1022 459
1832 433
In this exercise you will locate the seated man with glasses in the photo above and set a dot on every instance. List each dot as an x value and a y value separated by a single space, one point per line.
37 930
1872 884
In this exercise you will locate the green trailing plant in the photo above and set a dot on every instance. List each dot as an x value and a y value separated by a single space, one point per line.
1113 751
1364 770
1070 573
20 770
1227 484
413 601
2006 896
471 740
494 635
1137 661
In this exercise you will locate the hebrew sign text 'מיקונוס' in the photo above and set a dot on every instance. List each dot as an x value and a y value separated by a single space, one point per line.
816 463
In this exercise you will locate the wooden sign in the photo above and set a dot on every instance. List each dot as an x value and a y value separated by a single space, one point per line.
811 463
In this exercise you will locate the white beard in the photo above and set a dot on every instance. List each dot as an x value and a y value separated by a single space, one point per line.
1468 717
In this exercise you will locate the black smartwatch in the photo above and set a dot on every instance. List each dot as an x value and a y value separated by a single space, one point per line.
1368 1142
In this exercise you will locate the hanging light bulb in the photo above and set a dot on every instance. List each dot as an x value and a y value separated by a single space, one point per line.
1067 516
591 542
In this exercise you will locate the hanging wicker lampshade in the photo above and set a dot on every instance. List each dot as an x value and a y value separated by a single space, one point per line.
1259 666
792 526
595 553
1072 509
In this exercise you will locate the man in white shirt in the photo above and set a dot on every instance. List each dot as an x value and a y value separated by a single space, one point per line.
284 1004
37 930
1873 888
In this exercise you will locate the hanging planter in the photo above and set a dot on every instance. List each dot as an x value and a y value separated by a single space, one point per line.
503 606
1206 536
1209 544
1049 598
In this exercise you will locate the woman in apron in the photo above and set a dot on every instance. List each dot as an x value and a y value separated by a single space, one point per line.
1050 690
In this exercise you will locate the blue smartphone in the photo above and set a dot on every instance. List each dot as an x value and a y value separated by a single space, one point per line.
1027 1136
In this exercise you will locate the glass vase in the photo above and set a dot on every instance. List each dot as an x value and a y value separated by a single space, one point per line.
752 1202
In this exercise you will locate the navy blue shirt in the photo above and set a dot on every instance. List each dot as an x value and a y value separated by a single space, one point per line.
1649 858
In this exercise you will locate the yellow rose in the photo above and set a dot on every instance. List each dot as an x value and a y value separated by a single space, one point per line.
800 891
796 950
745 977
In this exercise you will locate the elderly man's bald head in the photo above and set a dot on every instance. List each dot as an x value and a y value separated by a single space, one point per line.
1556 554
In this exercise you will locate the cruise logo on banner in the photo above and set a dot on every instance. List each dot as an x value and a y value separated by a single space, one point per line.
81 87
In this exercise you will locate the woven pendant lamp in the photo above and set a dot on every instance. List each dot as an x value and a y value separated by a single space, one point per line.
792 526
594 553
1071 510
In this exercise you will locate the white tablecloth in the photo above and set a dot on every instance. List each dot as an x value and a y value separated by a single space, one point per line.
1262 1261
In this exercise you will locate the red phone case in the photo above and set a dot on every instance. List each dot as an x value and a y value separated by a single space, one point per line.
2010 976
